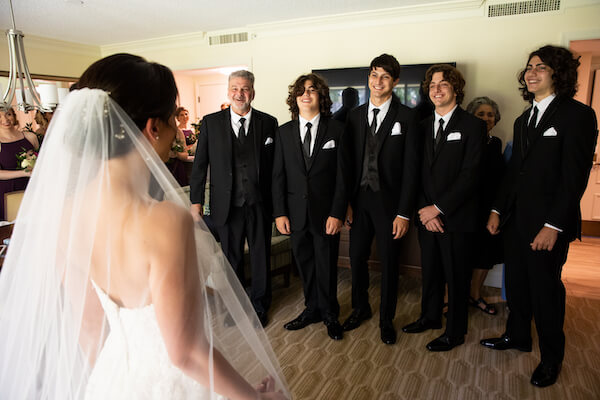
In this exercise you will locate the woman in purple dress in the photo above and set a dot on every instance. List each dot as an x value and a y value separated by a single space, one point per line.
13 143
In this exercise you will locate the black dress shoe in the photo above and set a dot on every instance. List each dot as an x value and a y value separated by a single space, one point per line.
355 319
504 343
421 325
545 374
302 321
334 329
262 317
445 343
388 333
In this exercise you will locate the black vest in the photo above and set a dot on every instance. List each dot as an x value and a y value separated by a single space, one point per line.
370 170
245 175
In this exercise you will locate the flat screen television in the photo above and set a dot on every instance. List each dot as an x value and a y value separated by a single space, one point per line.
407 90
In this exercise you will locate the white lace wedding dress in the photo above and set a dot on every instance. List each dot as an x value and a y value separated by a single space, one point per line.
134 364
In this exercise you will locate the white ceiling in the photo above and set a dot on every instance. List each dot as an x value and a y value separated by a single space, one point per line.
102 22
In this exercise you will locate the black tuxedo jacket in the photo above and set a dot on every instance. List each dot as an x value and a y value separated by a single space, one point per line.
545 183
314 193
450 176
215 148
398 158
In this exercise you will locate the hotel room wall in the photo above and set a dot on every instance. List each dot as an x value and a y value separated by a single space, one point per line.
489 51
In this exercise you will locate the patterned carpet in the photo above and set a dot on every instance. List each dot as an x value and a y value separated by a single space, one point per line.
361 367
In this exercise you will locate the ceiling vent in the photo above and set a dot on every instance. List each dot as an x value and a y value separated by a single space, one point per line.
522 7
228 38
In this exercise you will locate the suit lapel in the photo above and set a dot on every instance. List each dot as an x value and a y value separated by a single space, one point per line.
296 142
361 131
386 125
227 129
256 126
523 133
321 133
429 140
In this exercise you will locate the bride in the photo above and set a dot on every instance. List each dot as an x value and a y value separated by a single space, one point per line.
109 289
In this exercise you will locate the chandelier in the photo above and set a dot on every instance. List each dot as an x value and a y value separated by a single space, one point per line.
20 82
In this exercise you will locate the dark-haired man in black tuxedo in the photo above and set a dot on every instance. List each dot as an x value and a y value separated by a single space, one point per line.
380 161
308 198
452 145
237 143
538 205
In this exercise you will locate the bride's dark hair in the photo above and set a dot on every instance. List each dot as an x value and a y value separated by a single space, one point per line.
143 89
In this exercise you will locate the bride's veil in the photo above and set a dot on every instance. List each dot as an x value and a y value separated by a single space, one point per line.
52 325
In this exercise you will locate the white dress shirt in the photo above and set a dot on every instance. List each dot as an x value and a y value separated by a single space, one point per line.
383 109
446 118
313 130
235 121
541 106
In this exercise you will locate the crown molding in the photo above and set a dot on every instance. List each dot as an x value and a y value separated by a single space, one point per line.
193 39
361 19
60 46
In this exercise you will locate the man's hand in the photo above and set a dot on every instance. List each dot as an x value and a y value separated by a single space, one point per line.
493 223
349 217
428 213
545 239
400 227
333 225
283 225
196 211
435 225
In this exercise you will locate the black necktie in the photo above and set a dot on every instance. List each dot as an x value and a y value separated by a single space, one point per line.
531 128
306 142
438 135
374 122
242 131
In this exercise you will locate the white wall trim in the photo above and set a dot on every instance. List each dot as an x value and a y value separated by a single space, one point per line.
59 46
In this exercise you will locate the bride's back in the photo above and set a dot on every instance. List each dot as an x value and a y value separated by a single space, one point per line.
123 273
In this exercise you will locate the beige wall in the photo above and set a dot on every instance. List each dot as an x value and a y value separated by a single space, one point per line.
53 57
489 51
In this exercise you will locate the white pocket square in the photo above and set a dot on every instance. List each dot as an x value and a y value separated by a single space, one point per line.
550 132
396 129
329 145
269 140
452 136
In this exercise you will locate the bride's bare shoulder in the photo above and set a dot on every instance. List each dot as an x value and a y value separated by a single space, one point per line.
168 219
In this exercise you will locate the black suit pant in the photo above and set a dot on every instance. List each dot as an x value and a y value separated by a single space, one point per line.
316 257
251 223
370 219
534 288
445 259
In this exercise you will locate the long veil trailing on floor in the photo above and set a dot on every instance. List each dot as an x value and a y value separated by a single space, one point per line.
52 326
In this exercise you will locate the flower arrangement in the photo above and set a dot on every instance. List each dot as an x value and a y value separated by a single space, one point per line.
27 159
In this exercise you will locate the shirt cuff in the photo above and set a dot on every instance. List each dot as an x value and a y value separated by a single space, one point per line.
437 208
403 217
495 211
553 227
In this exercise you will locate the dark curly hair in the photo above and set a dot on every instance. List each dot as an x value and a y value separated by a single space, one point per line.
297 89
563 64
451 75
